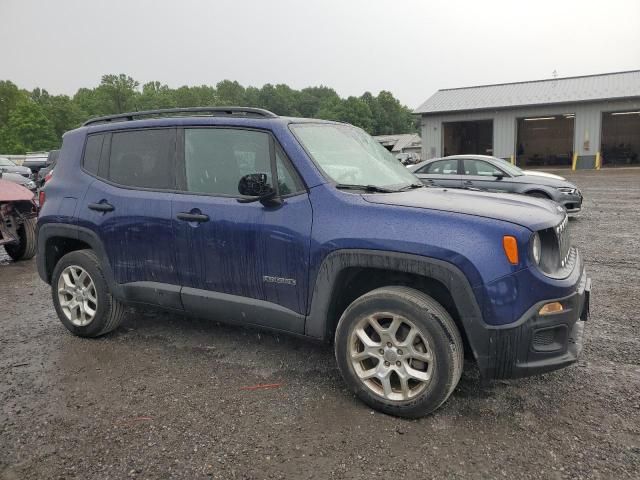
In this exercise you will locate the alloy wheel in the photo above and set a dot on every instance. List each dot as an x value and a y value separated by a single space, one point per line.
391 356
77 295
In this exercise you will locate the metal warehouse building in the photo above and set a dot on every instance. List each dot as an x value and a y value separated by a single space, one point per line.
579 122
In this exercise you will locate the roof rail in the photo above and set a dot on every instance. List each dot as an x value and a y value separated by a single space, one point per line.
213 111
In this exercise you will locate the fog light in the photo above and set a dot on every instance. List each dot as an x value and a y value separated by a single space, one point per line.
553 307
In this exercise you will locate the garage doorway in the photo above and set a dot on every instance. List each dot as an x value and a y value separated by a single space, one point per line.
620 139
545 141
475 137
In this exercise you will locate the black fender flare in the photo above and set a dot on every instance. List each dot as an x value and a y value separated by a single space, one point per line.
449 275
75 232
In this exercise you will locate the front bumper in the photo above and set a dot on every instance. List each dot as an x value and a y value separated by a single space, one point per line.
539 343
571 203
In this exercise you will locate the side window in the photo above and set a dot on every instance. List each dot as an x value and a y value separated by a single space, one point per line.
481 168
288 181
217 158
143 158
92 151
442 167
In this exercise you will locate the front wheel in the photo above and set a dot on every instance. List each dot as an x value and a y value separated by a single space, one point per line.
399 351
26 247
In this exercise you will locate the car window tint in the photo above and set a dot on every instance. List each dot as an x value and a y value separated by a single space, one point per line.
216 159
481 168
92 152
143 158
442 167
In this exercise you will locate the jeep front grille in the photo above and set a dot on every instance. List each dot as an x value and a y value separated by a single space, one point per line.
564 241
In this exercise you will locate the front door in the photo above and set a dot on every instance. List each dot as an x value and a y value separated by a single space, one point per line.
485 176
245 262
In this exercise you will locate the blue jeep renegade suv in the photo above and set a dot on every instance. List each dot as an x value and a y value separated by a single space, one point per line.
309 227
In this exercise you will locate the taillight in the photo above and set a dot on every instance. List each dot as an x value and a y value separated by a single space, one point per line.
48 176
41 198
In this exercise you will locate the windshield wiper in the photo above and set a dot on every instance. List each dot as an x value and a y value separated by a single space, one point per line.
366 188
411 186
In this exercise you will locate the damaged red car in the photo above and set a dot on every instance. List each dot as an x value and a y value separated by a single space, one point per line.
18 216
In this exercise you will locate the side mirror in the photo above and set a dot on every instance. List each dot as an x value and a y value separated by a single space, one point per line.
498 176
256 186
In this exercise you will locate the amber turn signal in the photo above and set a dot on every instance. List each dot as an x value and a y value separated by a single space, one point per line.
553 307
510 246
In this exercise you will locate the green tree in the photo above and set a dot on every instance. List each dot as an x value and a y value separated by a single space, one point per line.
10 96
90 103
280 99
38 119
202 96
400 118
61 111
27 129
118 93
230 93
155 95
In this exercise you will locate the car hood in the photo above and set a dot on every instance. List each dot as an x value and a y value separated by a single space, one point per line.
15 178
536 173
529 212
542 180
10 192
15 169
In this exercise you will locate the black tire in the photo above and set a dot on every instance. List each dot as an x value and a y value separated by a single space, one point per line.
434 324
109 311
26 249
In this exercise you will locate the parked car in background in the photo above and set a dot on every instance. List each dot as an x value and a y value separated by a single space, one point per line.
20 180
52 158
491 174
35 161
8 166
18 216
309 227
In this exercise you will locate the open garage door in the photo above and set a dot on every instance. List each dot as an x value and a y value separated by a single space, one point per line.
620 138
475 137
545 141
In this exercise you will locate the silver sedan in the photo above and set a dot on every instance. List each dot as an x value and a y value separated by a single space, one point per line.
481 172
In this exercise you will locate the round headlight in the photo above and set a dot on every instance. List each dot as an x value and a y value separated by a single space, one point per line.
536 249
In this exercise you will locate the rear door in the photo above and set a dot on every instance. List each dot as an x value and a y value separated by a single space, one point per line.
128 206
240 258
441 173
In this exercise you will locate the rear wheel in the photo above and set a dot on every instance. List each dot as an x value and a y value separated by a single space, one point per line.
26 247
400 351
81 297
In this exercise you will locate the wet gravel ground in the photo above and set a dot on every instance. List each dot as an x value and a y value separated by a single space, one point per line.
163 396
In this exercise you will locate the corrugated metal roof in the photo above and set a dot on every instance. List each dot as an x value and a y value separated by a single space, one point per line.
540 92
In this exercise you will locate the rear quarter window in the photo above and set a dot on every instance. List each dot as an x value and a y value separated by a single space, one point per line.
92 152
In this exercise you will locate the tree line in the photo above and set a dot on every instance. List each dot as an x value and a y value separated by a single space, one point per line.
35 120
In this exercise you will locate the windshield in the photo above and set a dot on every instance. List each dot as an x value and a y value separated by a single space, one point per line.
348 155
510 168
5 162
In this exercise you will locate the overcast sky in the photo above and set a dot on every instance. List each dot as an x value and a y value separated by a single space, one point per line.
411 48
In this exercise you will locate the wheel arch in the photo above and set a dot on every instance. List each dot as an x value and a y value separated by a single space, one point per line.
539 192
347 274
55 241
